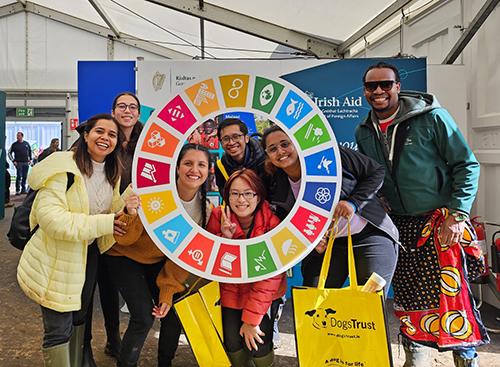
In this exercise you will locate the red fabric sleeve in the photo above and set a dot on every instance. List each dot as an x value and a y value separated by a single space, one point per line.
260 297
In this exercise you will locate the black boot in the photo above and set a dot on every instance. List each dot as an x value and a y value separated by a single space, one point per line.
113 344
88 357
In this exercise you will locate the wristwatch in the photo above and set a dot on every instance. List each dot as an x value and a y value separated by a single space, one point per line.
460 217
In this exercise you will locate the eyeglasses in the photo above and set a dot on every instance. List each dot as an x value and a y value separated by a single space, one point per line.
233 195
273 148
132 107
236 138
386 85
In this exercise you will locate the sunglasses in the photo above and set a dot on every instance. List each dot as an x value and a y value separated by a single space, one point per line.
386 85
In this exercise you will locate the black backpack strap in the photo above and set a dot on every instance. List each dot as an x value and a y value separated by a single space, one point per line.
71 180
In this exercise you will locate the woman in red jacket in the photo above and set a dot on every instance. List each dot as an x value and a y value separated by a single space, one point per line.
247 325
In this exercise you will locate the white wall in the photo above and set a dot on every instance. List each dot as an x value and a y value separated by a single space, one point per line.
32 59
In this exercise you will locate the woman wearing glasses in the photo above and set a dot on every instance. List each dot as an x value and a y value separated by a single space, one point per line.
127 111
375 237
247 324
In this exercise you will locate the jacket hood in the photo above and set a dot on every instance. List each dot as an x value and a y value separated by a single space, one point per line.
415 103
57 162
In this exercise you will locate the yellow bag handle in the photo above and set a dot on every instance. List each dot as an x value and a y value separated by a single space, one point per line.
326 259
226 176
353 279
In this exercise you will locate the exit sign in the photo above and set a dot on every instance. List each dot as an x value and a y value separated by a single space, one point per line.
25 112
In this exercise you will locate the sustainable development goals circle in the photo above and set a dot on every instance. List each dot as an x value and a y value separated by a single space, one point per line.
172 229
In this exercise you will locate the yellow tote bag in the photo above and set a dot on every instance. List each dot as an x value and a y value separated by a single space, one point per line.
210 294
195 312
340 327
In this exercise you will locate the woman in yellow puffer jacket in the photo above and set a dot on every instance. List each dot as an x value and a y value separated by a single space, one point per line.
58 266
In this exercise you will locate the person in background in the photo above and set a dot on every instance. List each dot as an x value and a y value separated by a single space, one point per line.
431 180
247 312
58 266
54 147
195 137
374 236
209 135
8 203
240 151
20 154
146 278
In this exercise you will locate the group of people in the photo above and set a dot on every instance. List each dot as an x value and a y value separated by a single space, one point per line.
407 194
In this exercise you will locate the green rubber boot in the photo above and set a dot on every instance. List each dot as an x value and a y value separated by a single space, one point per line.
76 346
266 361
239 358
57 356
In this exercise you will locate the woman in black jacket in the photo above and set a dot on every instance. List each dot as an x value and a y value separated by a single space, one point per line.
375 238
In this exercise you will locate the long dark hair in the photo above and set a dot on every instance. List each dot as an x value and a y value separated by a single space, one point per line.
270 168
112 165
136 131
203 188
253 181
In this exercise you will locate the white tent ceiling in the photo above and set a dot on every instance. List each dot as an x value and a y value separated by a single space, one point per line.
172 28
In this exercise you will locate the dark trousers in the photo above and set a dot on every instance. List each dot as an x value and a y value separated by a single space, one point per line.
110 301
21 175
7 186
374 251
231 325
137 285
58 326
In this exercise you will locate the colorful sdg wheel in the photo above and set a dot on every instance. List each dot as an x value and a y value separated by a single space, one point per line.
172 229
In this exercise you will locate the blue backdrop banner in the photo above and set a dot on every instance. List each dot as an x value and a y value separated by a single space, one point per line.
337 89
99 82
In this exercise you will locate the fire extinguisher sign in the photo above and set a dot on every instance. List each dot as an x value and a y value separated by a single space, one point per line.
73 123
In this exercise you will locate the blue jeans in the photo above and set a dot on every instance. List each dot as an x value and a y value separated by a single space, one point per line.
417 348
22 174
137 285
58 326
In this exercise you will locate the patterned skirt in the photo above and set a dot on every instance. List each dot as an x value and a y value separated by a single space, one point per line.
432 297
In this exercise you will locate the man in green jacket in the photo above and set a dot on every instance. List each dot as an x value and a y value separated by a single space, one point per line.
430 184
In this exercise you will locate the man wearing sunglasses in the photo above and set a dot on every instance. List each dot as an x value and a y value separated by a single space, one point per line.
430 184
240 151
